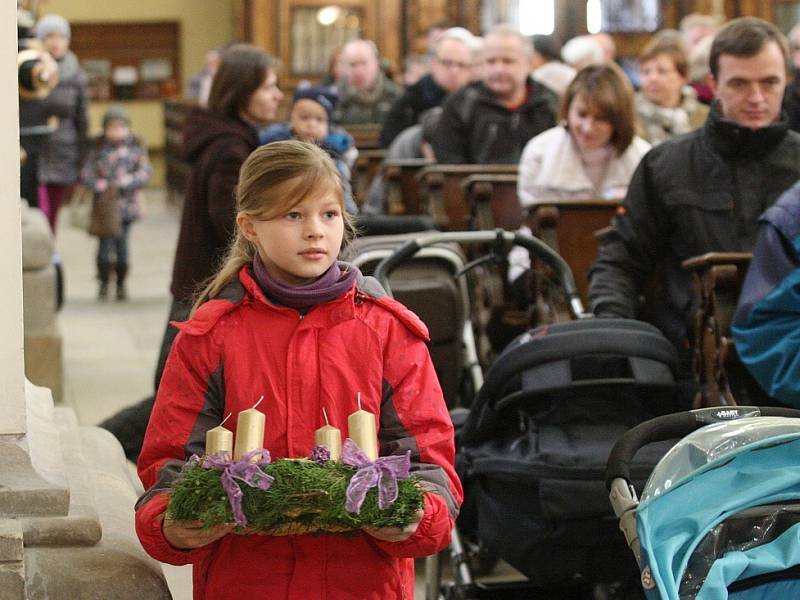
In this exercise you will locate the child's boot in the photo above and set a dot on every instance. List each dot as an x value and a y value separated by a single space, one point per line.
122 272
103 275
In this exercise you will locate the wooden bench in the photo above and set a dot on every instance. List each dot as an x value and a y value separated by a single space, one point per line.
401 185
492 201
365 169
365 137
569 228
718 278
441 186
370 155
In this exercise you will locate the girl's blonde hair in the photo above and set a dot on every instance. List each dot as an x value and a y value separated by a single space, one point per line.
273 179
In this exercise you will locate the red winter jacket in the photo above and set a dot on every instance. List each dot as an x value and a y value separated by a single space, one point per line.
239 347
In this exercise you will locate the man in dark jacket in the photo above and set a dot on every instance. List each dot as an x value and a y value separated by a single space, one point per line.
490 121
704 191
451 69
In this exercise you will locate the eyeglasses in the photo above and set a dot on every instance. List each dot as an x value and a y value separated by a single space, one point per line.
447 63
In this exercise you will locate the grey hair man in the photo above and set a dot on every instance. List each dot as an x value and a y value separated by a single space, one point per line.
491 120
450 69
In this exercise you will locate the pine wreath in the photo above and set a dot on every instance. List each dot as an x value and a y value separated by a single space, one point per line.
304 496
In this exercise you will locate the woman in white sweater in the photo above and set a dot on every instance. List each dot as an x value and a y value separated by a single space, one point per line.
592 154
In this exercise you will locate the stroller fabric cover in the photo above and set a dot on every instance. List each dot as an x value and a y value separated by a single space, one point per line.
722 507
534 446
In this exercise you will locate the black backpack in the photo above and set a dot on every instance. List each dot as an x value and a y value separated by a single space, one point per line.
533 450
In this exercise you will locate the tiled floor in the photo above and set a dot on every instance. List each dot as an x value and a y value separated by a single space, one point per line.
110 348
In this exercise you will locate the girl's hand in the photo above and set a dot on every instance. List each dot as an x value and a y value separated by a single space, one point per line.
185 535
396 534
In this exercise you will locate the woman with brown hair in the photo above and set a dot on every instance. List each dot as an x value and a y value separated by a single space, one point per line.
592 154
666 105
244 98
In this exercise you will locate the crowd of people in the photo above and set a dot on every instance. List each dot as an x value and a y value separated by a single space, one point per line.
698 144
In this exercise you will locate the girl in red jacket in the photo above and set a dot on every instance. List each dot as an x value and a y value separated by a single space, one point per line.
284 320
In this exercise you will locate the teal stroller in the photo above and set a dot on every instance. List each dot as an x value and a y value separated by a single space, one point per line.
719 516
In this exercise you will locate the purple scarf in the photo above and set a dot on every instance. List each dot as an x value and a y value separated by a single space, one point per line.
332 284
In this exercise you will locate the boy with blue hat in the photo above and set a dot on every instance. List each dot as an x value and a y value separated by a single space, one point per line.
310 121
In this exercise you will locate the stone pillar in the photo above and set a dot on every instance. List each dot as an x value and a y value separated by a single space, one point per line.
66 498
12 388
24 491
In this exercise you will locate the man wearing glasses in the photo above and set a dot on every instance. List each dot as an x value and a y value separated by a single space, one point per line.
491 120
451 68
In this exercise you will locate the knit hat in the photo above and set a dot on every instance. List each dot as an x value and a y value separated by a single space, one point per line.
324 96
52 24
115 113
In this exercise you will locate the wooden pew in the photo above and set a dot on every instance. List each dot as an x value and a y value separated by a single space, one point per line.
441 186
718 279
400 181
365 169
366 137
569 228
492 201
370 156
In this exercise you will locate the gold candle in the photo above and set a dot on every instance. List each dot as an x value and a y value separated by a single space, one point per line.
249 431
330 437
361 429
219 439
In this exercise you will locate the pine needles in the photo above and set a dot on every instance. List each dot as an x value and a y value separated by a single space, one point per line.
305 497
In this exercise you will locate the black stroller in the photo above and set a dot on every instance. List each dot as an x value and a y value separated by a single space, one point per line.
532 451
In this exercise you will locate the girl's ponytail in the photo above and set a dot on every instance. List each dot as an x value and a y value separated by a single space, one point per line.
241 252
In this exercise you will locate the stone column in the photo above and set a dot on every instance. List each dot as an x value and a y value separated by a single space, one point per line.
12 388
24 492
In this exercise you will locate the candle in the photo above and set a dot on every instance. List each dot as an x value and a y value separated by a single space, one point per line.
219 439
249 431
361 429
330 437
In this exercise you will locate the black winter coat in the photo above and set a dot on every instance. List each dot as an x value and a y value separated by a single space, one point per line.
216 146
406 110
476 129
697 193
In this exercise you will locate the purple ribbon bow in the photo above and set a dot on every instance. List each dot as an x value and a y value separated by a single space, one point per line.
382 473
243 470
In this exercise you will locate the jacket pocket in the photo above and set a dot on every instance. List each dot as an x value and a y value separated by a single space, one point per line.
700 221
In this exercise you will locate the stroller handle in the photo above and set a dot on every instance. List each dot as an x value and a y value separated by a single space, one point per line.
677 425
532 244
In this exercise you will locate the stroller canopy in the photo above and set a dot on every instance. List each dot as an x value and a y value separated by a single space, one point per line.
711 478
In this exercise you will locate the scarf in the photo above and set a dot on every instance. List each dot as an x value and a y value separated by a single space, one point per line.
662 122
332 284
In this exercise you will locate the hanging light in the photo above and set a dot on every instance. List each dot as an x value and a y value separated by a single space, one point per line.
594 16
327 15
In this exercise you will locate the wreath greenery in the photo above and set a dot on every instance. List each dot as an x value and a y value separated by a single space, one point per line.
305 497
